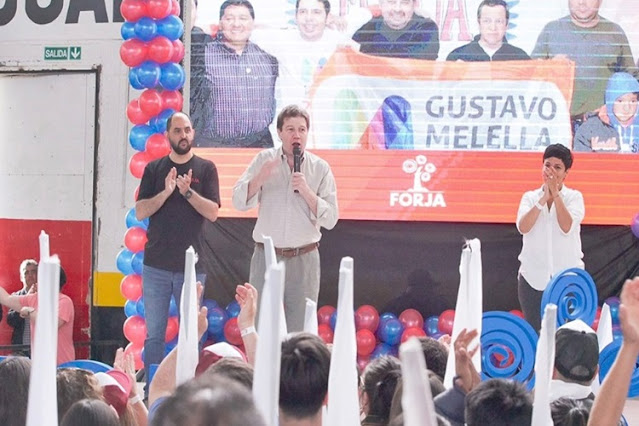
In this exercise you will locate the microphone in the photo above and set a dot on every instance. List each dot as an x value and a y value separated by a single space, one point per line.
297 159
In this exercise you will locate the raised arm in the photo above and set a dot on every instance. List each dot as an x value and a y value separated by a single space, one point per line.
246 296
11 302
612 396
147 207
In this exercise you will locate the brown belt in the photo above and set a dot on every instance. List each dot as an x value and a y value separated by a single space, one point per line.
292 251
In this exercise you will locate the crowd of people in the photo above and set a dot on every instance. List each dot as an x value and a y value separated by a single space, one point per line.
221 391
249 69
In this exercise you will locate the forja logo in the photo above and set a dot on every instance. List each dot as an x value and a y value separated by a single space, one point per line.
418 195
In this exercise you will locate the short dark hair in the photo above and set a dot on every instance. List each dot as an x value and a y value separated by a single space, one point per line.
169 120
306 362
498 402
379 380
247 4
292 111
14 393
232 368
90 412
435 355
493 3
215 401
570 412
561 152
326 3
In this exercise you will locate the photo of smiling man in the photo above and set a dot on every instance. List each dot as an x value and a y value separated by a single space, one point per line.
491 43
399 32
239 88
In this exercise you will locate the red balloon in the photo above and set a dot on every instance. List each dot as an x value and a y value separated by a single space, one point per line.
178 51
138 162
517 313
135 239
135 114
150 102
595 324
158 9
135 330
133 52
232 332
324 314
598 313
172 328
136 351
132 10
411 318
131 287
325 333
365 342
160 50
366 318
157 145
175 7
362 362
172 99
446 320
412 332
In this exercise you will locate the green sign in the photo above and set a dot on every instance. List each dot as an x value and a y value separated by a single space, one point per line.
69 53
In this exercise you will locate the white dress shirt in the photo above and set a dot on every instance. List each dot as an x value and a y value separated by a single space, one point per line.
547 249
283 214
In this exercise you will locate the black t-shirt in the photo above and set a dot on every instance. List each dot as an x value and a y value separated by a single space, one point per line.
176 225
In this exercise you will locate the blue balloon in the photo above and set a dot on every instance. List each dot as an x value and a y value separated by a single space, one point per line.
170 27
391 332
431 325
127 31
139 306
381 349
123 261
148 74
233 309
382 320
130 308
614 314
158 123
217 319
134 81
145 29
172 76
132 221
210 304
137 262
173 310
217 337
138 136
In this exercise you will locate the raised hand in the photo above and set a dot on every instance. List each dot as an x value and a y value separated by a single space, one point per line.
184 182
246 296
629 311
464 367
170 181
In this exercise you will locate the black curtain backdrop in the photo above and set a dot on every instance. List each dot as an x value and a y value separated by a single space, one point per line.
390 255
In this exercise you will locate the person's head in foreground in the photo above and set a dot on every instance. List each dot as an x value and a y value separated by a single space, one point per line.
209 401
14 397
304 372
498 402
378 383
576 353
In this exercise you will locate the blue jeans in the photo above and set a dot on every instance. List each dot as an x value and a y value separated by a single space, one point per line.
158 286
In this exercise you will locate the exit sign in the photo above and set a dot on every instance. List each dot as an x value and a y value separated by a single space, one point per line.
68 53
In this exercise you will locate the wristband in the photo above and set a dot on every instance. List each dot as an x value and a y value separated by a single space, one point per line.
248 330
539 206
134 400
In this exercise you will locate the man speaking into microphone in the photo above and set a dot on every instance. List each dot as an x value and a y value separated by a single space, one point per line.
296 193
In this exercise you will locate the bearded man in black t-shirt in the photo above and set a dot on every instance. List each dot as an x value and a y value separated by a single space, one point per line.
177 193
